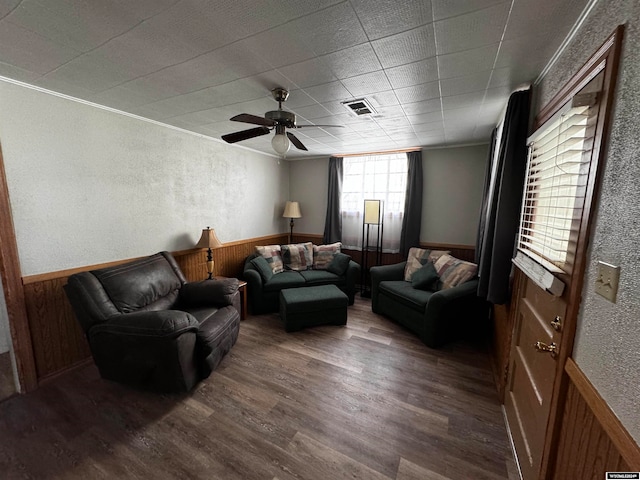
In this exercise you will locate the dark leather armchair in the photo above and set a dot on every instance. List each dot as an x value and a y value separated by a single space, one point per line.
148 327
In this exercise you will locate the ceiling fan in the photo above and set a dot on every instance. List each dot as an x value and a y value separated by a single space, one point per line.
280 119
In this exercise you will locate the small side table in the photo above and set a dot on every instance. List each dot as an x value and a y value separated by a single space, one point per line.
242 288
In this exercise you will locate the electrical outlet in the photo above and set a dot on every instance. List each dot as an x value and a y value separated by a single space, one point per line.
607 281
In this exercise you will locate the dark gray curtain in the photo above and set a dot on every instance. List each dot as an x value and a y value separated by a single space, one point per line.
503 208
412 219
333 221
485 196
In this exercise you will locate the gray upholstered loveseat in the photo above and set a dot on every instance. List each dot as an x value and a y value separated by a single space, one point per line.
264 290
437 315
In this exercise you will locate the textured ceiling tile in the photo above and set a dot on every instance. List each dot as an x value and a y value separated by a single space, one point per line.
505 76
526 55
6 6
472 30
382 18
298 98
30 51
553 19
308 73
255 107
17 73
366 84
406 47
431 128
90 72
425 106
353 61
459 101
393 111
461 116
452 8
78 24
384 99
330 30
467 84
141 51
413 73
431 140
418 93
280 46
425 118
312 112
328 92
267 81
468 62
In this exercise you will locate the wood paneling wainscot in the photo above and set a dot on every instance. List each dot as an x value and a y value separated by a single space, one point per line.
59 342
592 441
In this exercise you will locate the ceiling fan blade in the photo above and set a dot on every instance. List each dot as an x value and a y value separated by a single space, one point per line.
302 126
245 134
248 118
298 144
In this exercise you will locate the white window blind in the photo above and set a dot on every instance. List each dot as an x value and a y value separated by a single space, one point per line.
557 174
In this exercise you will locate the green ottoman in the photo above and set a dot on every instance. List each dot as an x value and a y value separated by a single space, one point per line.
312 306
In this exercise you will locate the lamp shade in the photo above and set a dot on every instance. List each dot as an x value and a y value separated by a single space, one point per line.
208 239
292 210
372 212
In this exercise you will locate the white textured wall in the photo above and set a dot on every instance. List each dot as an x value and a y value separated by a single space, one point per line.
90 186
606 347
453 182
309 184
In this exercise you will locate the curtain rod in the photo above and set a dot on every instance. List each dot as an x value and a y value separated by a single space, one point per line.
402 150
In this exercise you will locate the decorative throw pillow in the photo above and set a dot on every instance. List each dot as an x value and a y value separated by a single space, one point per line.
323 254
271 254
339 264
297 256
425 278
418 257
454 271
263 268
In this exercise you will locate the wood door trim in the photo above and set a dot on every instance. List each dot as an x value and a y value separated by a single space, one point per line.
609 53
14 292
610 423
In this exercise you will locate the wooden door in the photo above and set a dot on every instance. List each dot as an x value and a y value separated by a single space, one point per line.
532 372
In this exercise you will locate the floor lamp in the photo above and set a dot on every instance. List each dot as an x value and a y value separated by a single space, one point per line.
373 213
291 210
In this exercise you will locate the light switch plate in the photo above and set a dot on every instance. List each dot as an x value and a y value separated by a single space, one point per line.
607 281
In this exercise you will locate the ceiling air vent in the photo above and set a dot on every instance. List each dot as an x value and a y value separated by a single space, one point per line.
359 107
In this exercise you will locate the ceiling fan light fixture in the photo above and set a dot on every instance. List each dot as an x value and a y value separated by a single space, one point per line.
280 143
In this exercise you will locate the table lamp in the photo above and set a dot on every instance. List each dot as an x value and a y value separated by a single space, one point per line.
209 240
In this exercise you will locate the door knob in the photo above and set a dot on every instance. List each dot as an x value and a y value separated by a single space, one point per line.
541 347
556 323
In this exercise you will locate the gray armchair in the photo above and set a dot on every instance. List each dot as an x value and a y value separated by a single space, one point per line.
148 327
437 317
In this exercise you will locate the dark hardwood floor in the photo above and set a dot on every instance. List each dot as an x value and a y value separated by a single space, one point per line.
366 401
7 385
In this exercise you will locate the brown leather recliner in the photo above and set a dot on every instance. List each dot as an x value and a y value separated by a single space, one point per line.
149 328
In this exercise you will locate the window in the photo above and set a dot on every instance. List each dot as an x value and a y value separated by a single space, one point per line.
556 182
379 177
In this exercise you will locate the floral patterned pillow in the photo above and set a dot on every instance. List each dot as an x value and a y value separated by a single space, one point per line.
323 255
453 271
271 254
418 257
298 256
